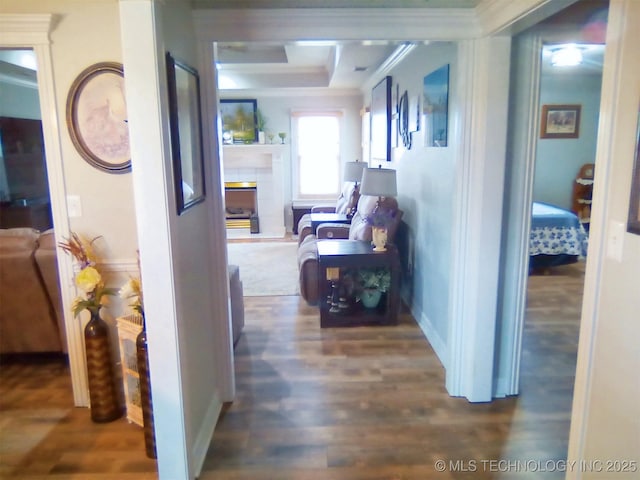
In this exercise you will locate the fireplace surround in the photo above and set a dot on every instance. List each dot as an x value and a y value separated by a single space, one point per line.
262 164
241 203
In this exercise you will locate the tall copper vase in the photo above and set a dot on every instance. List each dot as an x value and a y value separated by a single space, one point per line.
145 392
102 391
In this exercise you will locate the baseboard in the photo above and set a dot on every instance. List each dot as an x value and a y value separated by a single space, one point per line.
205 434
435 340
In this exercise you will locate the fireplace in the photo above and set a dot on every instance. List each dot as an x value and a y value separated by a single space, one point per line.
264 165
241 204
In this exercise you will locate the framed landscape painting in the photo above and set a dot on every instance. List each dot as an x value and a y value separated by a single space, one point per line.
435 107
239 120
560 121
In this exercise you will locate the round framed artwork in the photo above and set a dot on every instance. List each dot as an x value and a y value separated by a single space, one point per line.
97 117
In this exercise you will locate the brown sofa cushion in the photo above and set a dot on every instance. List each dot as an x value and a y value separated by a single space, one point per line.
27 321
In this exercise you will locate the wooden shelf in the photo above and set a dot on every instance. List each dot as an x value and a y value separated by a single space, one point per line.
582 193
351 254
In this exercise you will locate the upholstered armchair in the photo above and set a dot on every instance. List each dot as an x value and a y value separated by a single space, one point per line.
346 202
359 229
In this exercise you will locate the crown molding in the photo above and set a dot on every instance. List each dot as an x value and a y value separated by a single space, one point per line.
413 24
25 29
509 16
290 92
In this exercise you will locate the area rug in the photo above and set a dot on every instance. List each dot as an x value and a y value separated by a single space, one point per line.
266 268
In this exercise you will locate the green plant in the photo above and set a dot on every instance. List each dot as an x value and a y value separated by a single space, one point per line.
373 278
261 120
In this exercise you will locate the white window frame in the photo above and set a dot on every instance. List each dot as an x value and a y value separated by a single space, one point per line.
295 167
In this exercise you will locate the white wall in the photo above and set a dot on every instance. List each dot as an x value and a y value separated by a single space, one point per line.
559 160
183 257
426 177
19 101
605 423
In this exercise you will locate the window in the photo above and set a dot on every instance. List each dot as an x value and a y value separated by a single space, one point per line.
316 150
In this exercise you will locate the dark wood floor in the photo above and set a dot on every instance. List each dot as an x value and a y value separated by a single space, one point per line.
362 403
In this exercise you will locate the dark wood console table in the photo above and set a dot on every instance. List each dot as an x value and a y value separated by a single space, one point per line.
342 257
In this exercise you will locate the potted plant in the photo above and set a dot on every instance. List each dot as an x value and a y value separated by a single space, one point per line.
371 284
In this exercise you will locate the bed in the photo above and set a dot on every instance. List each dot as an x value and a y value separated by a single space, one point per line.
557 237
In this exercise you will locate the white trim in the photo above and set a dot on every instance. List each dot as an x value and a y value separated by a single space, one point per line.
524 117
609 103
143 58
335 23
223 342
435 340
202 441
32 31
482 106
497 16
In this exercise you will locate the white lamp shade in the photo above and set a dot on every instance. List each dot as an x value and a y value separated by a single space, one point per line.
380 182
353 171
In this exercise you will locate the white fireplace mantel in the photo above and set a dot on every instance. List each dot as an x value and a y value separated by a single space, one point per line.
262 164
250 156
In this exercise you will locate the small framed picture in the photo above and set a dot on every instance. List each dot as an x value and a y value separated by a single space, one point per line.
560 121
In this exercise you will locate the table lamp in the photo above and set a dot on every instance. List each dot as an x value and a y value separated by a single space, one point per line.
380 182
353 171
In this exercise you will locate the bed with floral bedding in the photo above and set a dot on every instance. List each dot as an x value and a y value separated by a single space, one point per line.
557 237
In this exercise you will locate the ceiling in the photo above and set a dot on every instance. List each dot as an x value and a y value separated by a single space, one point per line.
262 69
339 66
335 65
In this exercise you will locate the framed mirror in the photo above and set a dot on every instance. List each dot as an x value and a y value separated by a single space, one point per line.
186 133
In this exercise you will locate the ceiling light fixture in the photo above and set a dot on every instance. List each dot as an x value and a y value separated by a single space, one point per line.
568 55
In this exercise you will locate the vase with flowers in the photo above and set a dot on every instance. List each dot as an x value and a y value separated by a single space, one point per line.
132 291
102 392
380 219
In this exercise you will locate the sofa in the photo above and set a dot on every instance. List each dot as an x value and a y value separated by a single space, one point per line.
31 318
359 229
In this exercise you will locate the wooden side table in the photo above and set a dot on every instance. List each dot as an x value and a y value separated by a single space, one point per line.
319 218
335 258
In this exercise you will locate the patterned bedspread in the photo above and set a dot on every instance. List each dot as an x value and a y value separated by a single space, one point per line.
555 231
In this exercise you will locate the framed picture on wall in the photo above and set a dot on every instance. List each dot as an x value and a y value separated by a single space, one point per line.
97 117
186 134
381 114
435 107
239 120
560 121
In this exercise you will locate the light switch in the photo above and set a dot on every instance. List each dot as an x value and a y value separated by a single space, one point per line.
614 243
74 209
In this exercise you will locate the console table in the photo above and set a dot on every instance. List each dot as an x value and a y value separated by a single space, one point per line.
337 257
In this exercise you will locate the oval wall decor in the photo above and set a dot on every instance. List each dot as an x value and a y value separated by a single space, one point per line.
97 117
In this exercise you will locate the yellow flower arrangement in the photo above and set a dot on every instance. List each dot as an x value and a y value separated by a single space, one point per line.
89 279
133 290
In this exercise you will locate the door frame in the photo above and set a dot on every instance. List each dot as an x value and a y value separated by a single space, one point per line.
32 31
